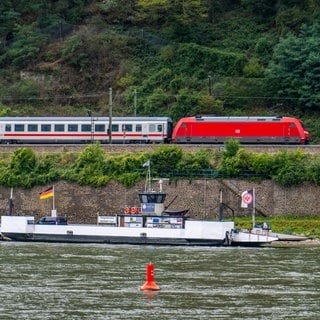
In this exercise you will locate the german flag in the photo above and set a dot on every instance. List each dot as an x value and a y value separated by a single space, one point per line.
47 193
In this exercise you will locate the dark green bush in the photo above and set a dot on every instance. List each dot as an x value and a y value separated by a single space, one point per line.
96 168
290 168
23 160
88 169
165 158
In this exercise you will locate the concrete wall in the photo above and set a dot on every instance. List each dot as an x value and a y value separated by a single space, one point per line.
202 197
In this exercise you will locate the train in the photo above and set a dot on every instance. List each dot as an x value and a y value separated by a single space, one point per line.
143 130
85 129
208 129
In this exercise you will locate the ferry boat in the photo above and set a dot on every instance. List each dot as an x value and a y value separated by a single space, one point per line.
149 224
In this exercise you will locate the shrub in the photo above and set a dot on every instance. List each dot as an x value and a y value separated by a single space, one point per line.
89 167
231 148
290 168
23 161
166 158
262 163
313 171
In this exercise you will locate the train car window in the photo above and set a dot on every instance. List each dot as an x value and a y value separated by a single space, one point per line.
72 127
59 127
100 128
292 125
115 128
159 128
19 127
138 127
46 127
127 127
8 127
32 127
86 128
152 128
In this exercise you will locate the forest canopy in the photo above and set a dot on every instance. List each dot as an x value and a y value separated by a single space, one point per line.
160 57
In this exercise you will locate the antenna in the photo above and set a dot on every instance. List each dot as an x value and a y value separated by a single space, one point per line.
148 177
161 182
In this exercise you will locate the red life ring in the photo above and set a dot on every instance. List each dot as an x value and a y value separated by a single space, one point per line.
126 210
139 210
133 210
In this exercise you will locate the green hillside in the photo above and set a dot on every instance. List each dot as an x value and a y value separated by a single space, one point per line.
161 57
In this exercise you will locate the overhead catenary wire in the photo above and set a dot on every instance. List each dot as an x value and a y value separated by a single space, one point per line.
100 95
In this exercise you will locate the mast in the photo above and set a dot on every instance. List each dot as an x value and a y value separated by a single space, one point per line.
254 209
152 202
147 187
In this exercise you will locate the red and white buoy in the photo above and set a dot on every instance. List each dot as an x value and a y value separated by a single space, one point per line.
150 283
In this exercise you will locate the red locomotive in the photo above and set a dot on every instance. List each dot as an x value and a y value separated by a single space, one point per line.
210 129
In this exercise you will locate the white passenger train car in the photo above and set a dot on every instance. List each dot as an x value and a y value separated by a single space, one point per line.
85 129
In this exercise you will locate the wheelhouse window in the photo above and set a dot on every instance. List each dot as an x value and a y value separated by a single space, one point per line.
100 128
86 128
138 127
152 197
59 127
32 127
19 127
8 128
46 127
72 127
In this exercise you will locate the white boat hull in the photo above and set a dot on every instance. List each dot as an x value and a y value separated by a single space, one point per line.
194 232
23 228
242 238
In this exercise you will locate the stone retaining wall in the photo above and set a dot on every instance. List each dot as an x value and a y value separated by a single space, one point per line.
202 197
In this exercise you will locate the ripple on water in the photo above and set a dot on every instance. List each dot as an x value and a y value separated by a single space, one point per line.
93 282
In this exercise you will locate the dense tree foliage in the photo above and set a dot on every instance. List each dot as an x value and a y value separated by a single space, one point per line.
160 57
295 67
96 168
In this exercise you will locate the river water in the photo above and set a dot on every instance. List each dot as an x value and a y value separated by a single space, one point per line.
93 282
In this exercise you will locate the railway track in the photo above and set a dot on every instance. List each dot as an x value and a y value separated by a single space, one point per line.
120 148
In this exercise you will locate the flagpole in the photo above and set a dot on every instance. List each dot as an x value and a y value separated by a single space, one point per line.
53 198
254 209
53 211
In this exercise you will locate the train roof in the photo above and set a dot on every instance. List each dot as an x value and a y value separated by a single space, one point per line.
49 119
208 118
